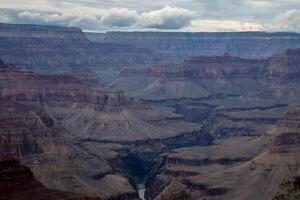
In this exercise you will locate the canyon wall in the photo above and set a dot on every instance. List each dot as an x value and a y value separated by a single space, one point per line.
178 46
207 76
56 49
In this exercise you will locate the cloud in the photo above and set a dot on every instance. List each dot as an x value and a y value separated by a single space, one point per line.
5 18
223 25
120 17
64 19
287 21
194 15
167 18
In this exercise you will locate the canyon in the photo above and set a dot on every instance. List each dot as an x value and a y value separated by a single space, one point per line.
65 116
141 115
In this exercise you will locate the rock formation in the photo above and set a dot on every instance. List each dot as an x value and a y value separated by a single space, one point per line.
18 183
207 76
57 49
291 190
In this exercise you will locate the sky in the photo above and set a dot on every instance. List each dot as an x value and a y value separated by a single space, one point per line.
156 15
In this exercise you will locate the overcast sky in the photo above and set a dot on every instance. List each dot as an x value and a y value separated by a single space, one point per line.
157 15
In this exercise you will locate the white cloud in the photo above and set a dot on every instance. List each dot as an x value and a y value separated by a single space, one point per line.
167 18
120 17
223 25
288 21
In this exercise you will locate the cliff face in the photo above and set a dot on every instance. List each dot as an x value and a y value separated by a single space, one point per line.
179 46
18 85
285 65
49 48
212 67
18 183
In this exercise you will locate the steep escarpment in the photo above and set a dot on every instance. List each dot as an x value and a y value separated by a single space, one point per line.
56 49
178 46
18 182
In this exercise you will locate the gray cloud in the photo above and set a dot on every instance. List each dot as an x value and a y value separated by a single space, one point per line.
70 19
165 18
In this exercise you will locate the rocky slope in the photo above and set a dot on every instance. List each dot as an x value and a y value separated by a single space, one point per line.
18 183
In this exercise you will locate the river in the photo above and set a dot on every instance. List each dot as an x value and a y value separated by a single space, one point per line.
141 190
